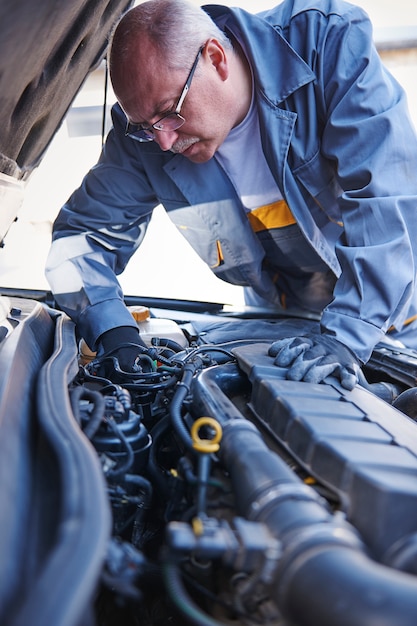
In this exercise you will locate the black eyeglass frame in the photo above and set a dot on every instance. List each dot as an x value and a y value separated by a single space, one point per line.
144 133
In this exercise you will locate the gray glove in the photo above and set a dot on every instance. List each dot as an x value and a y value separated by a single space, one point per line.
314 357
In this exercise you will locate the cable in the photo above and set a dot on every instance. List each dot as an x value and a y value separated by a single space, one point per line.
129 450
182 600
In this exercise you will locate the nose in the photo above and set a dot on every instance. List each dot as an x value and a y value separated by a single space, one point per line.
166 138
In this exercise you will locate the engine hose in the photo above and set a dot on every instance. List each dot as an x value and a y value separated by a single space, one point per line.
141 483
318 552
164 342
181 599
183 389
158 479
121 469
324 575
97 399
386 391
210 388
407 402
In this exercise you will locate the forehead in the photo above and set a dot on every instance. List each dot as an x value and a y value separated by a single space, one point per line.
145 85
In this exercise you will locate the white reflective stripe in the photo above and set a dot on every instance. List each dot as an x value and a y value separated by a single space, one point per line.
60 264
66 247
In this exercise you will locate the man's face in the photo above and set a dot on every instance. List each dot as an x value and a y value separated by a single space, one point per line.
149 91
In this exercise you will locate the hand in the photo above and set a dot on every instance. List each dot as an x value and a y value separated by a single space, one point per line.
314 357
124 343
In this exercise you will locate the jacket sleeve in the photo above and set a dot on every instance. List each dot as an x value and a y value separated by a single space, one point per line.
95 234
369 135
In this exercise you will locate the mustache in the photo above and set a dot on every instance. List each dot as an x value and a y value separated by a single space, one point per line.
182 144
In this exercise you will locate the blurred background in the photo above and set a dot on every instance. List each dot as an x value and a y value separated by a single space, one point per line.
165 265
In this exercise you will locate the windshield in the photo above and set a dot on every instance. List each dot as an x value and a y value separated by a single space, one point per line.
165 266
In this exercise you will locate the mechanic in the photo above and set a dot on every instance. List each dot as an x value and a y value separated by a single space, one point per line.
281 148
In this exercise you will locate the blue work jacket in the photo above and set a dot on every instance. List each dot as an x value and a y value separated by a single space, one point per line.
336 134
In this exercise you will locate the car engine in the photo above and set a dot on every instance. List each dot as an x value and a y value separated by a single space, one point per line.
240 497
203 487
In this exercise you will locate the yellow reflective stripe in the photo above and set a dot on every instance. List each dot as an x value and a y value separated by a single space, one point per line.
407 321
410 319
220 257
275 215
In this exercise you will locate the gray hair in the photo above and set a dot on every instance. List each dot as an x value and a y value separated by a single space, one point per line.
176 28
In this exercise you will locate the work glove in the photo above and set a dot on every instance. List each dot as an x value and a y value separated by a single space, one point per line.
124 343
314 357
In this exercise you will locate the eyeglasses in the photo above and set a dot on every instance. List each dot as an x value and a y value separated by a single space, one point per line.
168 122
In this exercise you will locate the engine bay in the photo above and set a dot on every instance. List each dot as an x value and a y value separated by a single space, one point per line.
205 487
224 478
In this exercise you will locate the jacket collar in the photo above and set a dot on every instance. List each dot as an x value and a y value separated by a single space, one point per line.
278 69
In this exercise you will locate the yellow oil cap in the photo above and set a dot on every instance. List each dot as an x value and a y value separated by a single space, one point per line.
140 313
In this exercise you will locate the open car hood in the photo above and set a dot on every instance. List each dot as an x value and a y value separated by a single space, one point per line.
47 49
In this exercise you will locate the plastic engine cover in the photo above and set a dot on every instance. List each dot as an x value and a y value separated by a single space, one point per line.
352 442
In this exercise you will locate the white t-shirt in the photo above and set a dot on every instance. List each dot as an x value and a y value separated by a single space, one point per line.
300 273
243 160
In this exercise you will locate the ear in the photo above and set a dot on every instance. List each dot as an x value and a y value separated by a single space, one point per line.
217 56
